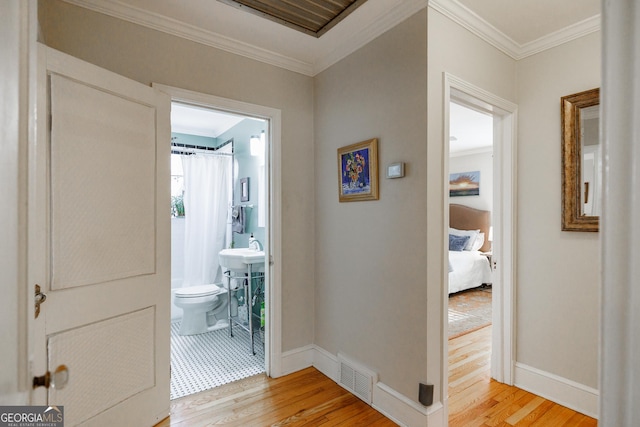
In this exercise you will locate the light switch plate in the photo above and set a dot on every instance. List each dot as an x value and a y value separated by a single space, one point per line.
395 170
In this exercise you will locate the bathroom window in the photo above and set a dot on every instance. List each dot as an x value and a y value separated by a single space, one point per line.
177 187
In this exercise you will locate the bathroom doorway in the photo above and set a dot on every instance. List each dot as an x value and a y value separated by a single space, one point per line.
218 202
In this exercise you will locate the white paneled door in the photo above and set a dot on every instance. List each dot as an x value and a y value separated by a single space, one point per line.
99 243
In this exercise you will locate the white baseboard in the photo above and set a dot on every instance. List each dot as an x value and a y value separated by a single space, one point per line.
296 360
395 406
404 411
565 392
326 363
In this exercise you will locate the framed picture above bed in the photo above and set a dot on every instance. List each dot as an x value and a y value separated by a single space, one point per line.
464 184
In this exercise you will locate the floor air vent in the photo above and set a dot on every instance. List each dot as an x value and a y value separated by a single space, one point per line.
356 378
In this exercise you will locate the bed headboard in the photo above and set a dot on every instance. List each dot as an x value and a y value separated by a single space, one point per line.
466 218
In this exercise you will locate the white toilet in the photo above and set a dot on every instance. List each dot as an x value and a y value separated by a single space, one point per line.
204 308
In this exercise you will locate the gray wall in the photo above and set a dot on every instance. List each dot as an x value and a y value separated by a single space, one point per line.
371 298
558 271
150 56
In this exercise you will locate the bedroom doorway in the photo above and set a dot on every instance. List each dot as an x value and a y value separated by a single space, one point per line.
484 172
470 226
470 282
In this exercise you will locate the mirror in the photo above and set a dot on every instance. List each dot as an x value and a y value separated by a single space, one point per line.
581 161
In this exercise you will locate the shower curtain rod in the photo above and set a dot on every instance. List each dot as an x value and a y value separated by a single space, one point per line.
187 149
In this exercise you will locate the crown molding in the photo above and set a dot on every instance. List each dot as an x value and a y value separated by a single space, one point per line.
174 27
381 24
450 8
473 151
564 35
471 21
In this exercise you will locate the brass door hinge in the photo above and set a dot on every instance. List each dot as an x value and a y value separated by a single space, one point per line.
39 299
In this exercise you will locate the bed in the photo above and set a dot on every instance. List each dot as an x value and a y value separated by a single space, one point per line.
469 267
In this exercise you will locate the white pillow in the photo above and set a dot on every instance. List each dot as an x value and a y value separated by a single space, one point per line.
477 244
473 234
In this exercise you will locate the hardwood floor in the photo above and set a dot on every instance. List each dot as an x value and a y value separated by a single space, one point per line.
476 400
309 398
306 398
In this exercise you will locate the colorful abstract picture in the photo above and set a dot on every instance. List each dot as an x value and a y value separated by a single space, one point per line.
464 184
358 171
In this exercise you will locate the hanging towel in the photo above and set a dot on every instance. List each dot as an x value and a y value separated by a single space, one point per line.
238 219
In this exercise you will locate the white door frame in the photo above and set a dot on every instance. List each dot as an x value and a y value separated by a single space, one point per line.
273 250
18 87
503 216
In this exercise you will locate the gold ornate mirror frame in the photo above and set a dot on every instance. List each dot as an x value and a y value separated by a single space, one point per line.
573 218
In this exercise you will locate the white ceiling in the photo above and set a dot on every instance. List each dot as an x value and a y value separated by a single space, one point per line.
199 121
469 130
517 27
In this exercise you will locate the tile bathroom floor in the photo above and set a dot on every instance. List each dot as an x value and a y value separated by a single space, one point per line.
204 361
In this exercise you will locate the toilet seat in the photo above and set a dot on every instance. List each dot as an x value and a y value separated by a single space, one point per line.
198 291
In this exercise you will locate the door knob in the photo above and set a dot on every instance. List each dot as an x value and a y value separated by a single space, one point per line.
57 380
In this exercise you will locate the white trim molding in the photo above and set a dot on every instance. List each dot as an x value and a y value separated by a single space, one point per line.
404 411
505 115
298 359
387 20
273 250
326 363
564 35
382 24
392 404
477 25
481 150
471 21
18 91
177 28
563 391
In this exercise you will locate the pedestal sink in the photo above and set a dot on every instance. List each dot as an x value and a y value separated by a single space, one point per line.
245 264
239 259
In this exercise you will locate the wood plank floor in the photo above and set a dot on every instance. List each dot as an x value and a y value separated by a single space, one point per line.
309 398
304 398
477 401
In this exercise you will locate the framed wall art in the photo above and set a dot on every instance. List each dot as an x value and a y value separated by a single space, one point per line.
464 184
358 171
244 189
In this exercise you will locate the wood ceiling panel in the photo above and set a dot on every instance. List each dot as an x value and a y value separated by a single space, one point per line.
314 17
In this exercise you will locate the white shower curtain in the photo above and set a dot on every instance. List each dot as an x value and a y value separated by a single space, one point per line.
207 195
